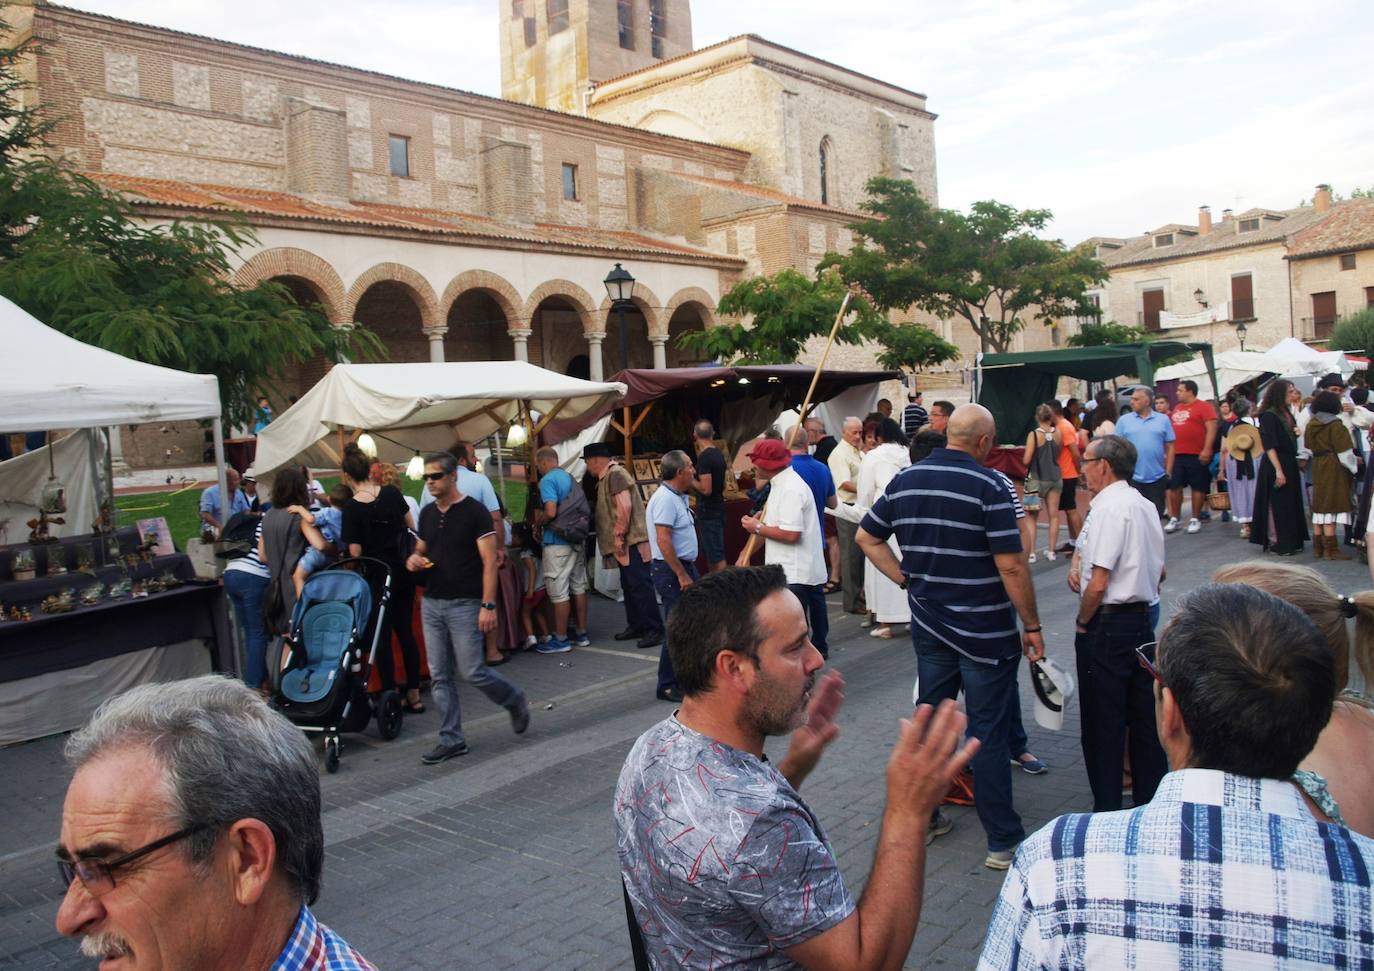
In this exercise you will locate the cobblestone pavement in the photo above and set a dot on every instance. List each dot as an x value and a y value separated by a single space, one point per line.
505 858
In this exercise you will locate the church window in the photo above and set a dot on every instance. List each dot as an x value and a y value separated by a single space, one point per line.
398 147
827 161
558 16
625 14
518 15
570 181
658 25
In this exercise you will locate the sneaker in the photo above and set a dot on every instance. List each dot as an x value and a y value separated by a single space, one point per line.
1171 525
554 645
1206 516
1031 766
520 717
939 826
1050 555
442 753
531 642
1031 558
1194 526
580 638
999 859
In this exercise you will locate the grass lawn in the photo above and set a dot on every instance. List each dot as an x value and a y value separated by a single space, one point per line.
182 506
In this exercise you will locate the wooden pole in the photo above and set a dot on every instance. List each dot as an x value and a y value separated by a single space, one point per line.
801 415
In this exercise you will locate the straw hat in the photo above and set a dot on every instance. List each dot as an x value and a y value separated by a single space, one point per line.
1243 441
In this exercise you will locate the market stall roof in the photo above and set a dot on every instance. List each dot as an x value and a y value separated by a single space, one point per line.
427 406
1011 385
54 381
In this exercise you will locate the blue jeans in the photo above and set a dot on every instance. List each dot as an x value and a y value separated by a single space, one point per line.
988 689
665 582
456 652
813 602
245 591
641 607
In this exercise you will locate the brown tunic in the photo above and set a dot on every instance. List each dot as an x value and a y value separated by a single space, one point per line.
617 480
1331 481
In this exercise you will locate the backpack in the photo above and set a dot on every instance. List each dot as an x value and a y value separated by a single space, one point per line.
572 522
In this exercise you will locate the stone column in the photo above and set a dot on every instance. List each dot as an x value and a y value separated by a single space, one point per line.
436 343
117 463
594 340
660 342
520 337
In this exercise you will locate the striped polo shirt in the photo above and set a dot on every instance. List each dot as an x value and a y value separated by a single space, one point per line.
950 515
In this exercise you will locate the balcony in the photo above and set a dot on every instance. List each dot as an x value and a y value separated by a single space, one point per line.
1318 328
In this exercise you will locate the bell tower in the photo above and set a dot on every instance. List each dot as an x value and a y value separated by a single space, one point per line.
553 51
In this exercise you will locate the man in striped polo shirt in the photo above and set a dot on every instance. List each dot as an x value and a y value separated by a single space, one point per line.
967 580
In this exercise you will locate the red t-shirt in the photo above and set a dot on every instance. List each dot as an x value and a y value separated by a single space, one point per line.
1190 426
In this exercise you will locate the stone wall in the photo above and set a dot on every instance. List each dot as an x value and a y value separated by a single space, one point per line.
1354 289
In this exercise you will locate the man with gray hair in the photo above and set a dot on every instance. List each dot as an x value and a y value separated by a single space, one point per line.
1152 434
1116 573
191 834
673 546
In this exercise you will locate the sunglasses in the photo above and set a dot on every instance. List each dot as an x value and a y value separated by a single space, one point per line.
97 876
1145 654
434 476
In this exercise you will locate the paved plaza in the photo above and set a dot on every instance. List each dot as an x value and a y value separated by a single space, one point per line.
505 858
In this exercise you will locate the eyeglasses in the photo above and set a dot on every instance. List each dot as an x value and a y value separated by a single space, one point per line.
435 476
1145 654
98 875
1097 459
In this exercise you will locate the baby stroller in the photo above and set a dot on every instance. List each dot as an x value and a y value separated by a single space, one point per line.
328 655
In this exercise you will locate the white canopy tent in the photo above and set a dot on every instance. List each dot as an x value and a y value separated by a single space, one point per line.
1290 358
424 406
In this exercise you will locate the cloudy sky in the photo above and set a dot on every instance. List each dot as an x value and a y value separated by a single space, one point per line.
1117 116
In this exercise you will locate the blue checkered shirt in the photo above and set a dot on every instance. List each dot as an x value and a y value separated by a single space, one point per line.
314 947
1217 871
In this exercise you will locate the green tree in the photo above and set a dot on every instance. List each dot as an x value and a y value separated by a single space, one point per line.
77 257
988 267
1354 333
1108 332
912 347
783 312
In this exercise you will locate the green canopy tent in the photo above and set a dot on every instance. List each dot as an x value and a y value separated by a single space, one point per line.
1011 385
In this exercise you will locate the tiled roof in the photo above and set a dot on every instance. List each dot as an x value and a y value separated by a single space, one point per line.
1224 235
1349 227
383 216
770 195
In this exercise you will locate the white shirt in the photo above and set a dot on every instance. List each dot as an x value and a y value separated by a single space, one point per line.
792 507
1125 537
844 464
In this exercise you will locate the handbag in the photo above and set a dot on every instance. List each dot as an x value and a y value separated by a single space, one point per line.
1219 501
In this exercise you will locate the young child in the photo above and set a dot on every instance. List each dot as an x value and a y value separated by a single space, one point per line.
321 530
532 606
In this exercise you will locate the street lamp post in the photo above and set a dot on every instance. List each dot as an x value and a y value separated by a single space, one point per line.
1241 331
620 287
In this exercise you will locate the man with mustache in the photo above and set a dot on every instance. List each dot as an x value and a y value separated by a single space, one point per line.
723 863
191 835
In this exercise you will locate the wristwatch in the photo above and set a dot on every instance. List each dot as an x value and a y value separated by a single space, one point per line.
904 583
486 605
758 529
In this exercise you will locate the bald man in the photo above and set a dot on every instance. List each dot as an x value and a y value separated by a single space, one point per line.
967 583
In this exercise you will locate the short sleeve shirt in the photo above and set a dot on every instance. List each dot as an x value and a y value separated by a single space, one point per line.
817 476
555 487
377 526
669 508
792 506
451 537
470 483
209 502
1067 434
712 461
725 865
1190 426
1150 435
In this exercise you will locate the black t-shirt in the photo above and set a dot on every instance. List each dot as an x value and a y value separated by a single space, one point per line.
823 449
451 544
379 526
711 461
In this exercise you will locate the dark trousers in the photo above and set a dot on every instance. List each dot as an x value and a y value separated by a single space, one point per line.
988 690
400 617
851 564
1115 694
665 582
641 606
813 602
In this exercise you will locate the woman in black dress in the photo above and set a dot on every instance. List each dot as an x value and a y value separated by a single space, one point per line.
375 523
1280 526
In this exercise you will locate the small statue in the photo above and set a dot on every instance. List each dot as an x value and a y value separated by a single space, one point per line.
39 527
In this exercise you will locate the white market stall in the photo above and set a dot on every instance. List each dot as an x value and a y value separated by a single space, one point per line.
57 667
1290 358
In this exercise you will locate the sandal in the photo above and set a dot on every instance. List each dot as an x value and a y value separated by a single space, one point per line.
884 632
497 663
413 707
832 586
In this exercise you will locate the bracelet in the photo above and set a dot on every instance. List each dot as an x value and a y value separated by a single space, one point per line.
758 529
1031 630
488 606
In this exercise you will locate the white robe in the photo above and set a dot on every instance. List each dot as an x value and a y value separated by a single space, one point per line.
885 599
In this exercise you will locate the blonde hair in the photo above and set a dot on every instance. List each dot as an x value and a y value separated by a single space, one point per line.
1308 590
390 476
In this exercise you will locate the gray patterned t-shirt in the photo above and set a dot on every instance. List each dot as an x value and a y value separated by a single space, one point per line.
725 865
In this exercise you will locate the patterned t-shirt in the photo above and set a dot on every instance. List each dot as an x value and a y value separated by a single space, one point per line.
725 865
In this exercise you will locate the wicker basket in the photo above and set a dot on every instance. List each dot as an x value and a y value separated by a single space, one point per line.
1219 501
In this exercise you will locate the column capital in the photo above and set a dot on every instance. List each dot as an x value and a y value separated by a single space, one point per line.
596 336
658 339
435 333
520 333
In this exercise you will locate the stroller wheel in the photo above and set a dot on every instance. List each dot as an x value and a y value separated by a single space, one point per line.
332 748
389 715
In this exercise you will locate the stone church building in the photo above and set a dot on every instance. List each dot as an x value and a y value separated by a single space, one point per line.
458 226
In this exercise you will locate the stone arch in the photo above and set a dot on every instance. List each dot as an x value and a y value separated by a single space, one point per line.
505 295
409 279
692 295
648 304
570 292
293 262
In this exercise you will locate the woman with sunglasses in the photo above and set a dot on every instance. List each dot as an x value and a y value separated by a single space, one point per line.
1335 777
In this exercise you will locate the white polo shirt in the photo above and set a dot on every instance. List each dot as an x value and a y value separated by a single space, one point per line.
1126 538
792 507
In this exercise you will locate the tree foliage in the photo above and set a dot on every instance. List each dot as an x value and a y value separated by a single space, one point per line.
778 315
912 347
987 267
77 257
1354 333
1108 332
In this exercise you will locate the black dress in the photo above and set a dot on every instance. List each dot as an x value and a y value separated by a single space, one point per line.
379 527
1280 506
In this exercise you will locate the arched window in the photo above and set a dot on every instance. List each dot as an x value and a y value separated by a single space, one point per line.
827 160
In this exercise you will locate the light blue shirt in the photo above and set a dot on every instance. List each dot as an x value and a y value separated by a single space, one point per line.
329 521
1149 436
555 487
669 508
470 483
209 502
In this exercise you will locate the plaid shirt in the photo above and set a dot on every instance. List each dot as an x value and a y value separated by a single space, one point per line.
1218 870
314 947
